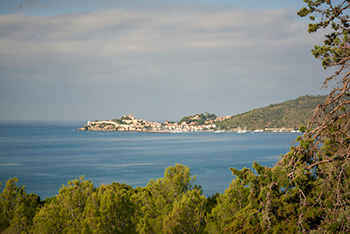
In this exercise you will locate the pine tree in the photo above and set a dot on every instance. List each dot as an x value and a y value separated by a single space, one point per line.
308 189
64 213
156 201
17 208
110 209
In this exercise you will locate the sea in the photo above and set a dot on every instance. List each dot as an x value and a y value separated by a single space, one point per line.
45 155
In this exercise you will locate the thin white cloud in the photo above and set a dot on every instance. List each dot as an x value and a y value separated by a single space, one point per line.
132 58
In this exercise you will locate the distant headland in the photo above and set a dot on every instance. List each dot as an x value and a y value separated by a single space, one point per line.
283 117
196 123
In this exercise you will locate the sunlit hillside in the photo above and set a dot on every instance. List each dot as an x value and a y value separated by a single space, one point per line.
289 114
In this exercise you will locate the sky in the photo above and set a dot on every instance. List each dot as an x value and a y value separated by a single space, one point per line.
159 60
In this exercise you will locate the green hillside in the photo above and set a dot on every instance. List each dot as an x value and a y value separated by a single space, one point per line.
289 114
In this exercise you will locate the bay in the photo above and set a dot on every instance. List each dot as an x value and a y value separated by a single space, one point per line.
44 155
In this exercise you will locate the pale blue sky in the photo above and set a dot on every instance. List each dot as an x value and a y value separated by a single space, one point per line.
86 60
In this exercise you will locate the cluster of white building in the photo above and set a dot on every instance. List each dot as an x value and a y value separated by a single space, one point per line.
130 123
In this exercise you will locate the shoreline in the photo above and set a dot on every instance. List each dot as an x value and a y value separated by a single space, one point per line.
229 131
129 123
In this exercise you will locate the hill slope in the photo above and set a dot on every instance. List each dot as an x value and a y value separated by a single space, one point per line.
289 114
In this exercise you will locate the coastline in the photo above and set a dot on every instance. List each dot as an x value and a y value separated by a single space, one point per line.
129 123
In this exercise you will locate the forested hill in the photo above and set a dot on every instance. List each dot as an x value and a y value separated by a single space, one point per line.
289 114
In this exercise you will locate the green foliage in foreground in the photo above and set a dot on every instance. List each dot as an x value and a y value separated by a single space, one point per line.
268 200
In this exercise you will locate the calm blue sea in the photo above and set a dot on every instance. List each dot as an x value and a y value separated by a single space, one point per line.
46 155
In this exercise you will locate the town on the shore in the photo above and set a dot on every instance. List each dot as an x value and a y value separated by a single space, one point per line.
194 123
